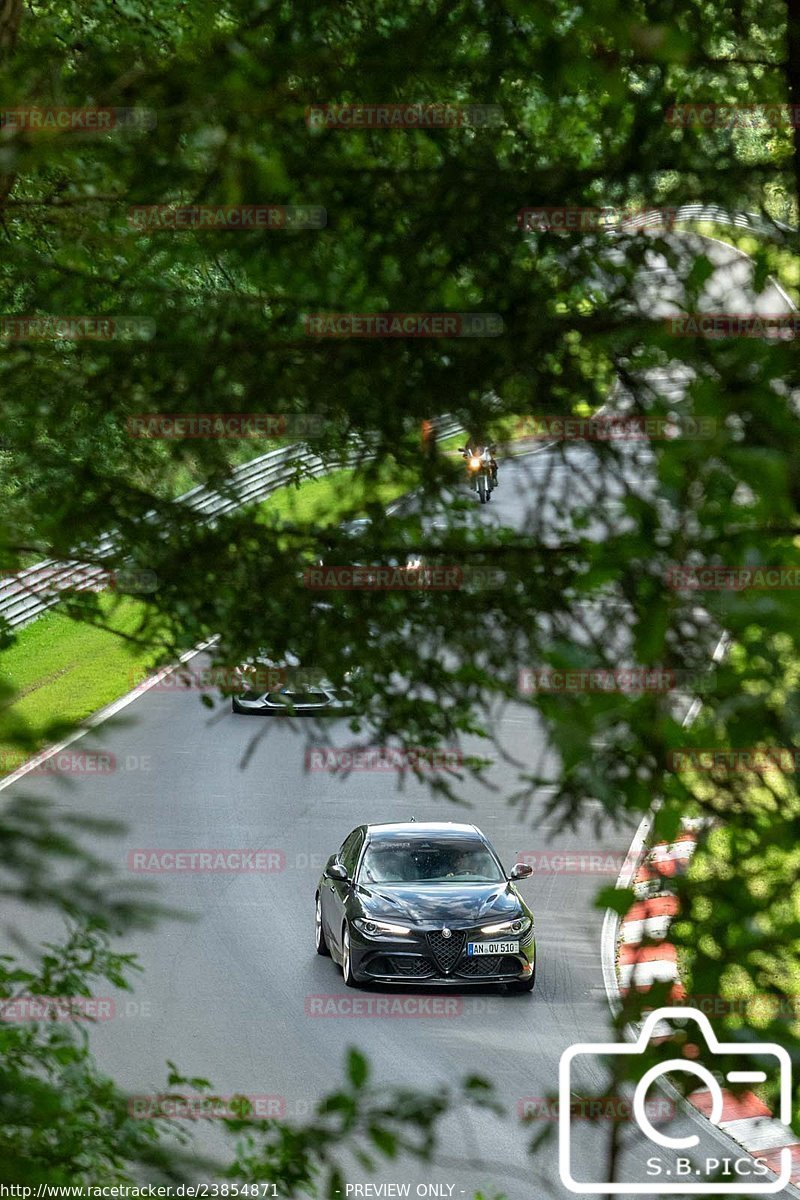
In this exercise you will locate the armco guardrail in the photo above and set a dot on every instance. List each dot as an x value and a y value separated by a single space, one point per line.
29 593
705 212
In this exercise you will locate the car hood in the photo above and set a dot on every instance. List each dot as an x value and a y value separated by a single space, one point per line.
455 904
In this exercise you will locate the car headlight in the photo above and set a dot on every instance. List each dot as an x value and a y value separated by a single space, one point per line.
379 929
519 925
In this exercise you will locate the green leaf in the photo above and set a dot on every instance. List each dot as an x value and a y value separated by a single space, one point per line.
357 1068
384 1139
617 899
335 1186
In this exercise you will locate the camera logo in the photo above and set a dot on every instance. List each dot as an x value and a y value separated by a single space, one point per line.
575 1062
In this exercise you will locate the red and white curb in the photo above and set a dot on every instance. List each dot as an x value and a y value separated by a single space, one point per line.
646 956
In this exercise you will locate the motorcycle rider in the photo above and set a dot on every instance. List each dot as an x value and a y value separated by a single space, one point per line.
483 450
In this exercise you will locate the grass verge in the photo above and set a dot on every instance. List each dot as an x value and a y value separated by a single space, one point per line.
333 498
60 670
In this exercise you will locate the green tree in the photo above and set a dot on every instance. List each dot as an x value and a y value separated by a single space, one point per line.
424 221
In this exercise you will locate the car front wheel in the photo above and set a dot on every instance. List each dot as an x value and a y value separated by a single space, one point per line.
319 932
347 963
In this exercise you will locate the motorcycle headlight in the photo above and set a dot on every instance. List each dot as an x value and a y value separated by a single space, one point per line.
475 463
519 925
378 929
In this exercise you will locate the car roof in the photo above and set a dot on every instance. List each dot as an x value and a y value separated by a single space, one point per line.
388 830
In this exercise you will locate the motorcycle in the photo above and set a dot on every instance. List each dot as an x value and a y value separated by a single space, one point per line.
481 470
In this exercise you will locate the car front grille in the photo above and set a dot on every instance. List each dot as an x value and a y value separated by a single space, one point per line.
480 964
412 964
446 951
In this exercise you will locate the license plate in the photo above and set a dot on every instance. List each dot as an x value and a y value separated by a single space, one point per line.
492 947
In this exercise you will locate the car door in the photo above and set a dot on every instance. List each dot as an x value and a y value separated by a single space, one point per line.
337 890
331 913
328 893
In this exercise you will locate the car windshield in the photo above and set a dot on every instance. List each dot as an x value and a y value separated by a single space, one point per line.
429 862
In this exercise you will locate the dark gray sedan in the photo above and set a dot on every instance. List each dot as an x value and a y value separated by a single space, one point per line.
425 903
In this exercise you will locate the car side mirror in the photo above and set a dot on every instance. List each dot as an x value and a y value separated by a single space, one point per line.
521 871
337 871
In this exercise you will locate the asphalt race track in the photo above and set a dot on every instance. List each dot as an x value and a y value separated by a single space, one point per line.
230 995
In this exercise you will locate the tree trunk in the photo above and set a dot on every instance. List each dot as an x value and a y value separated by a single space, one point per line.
10 18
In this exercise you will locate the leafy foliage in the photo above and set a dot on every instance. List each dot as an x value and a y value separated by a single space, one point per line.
418 221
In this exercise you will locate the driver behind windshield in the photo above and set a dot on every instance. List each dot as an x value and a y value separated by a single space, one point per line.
469 864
